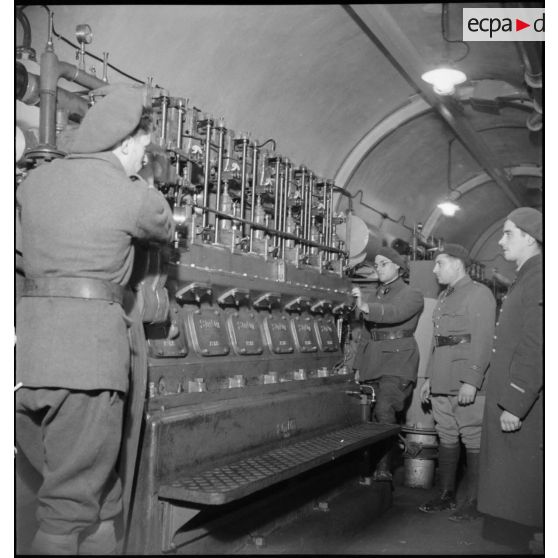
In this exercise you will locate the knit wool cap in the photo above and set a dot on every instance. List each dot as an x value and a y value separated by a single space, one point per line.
456 251
110 120
393 256
528 219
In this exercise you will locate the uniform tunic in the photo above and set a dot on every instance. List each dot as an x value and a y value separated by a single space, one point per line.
79 216
396 307
511 482
466 308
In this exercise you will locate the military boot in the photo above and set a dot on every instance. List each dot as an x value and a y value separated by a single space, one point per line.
467 509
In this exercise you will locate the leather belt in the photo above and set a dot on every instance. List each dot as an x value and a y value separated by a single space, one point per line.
443 340
74 287
379 335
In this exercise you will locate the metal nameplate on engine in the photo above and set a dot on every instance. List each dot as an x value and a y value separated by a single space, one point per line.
326 332
165 341
303 332
245 333
208 332
278 336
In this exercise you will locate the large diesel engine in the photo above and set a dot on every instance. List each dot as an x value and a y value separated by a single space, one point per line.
239 378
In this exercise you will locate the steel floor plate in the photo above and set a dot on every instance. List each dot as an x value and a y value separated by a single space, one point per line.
235 480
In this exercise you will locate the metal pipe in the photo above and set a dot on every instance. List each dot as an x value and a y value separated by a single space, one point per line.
324 216
22 18
105 67
277 196
243 178
48 81
282 202
51 71
73 73
268 229
181 109
255 157
309 208
206 173
330 216
221 139
288 180
164 118
304 192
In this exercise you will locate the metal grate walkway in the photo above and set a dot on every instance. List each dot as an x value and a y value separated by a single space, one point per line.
220 485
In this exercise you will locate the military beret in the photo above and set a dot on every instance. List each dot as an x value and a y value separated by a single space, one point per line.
528 219
455 251
109 120
393 256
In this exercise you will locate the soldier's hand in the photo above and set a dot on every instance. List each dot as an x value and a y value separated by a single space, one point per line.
509 422
357 294
467 394
425 391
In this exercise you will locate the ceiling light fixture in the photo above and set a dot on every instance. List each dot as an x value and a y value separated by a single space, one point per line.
448 208
445 77
444 80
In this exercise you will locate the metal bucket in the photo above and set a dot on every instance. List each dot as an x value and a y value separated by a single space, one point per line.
419 473
420 436
421 451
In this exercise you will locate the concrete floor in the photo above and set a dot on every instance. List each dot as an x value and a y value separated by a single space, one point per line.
328 511
349 527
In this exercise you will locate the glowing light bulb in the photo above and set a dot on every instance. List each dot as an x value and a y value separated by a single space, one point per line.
444 80
448 208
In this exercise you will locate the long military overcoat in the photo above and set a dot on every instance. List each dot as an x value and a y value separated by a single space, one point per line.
79 216
396 307
511 473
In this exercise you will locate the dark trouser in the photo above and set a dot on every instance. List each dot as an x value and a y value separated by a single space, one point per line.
73 439
392 395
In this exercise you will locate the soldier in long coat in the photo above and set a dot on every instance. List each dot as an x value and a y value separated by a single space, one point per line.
79 216
511 484
388 355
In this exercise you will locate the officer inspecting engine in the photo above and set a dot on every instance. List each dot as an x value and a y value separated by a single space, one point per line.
79 216
387 356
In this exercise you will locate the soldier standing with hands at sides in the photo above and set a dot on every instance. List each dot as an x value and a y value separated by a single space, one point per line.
463 330
79 216
511 486
388 356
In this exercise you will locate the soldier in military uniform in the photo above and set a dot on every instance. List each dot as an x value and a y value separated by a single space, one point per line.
79 216
511 486
388 356
463 330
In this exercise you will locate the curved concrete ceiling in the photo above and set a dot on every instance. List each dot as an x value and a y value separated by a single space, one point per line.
312 79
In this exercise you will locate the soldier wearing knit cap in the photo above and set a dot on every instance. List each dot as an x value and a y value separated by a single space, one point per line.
79 216
463 322
388 356
512 460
